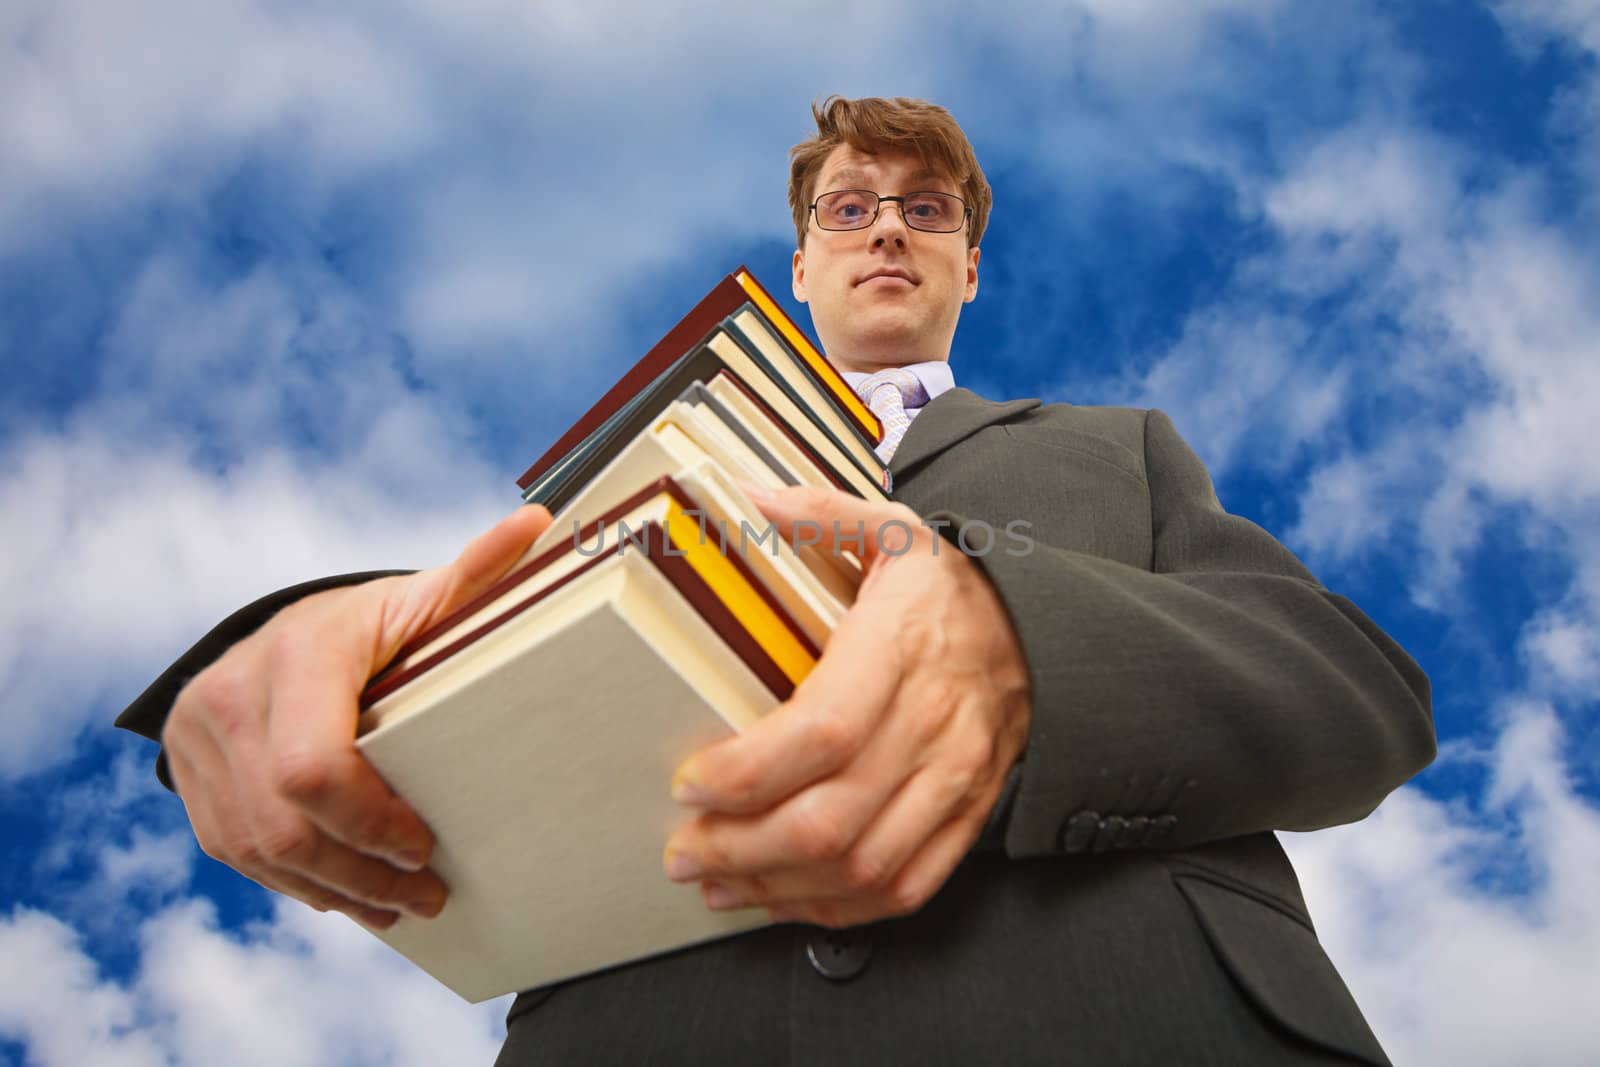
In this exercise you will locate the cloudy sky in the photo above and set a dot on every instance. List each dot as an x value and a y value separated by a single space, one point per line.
286 292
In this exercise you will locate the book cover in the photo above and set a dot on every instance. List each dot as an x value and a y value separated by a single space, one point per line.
728 294
551 840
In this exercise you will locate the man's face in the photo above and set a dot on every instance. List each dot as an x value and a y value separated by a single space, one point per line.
887 295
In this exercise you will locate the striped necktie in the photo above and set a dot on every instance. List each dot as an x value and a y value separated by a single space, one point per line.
889 393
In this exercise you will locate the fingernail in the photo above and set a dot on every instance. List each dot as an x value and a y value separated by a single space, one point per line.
687 788
426 908
409 860
758 493
719 897
681 867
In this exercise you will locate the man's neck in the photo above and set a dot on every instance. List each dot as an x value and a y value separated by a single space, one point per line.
872 366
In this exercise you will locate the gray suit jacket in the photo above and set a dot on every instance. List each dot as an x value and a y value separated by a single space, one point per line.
1194 689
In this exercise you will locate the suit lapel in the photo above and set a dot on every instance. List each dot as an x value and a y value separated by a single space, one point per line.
950 417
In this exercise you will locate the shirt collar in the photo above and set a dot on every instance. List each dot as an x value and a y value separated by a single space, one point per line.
935 376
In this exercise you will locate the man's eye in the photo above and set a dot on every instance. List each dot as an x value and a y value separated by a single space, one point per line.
847 209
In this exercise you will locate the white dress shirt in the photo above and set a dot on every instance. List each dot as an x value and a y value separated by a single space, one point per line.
935 376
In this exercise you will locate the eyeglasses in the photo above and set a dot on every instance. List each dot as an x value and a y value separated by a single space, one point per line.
857 209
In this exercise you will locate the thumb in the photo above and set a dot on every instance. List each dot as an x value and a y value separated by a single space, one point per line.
413 604
839 522
492 554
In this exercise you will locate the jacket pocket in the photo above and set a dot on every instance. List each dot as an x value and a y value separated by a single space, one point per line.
1281 968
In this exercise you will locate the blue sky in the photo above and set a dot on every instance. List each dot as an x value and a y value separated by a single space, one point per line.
286 292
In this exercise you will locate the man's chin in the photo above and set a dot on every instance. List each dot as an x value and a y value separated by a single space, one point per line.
888 348
887 318
881 333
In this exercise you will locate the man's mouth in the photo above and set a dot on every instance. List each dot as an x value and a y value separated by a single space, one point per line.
888 276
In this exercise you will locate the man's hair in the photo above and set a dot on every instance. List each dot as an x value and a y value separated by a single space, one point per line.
873 125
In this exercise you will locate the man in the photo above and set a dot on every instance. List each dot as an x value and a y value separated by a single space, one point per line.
1020 812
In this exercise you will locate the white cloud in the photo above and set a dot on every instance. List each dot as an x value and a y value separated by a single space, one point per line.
517 166
1534 22
162 862
1237 382
119 846
1566 648
1468 933
1462 331
243 434
1513 302
90 811
255 418
1573 27
1454 380
1345 508
53 1001
1561 644
105 100
301 991
131 550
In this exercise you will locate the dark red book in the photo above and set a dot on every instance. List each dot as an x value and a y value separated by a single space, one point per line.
474 620
728 296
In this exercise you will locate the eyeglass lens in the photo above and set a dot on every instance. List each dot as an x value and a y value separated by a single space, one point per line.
852 209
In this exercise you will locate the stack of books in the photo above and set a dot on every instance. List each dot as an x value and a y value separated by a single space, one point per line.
537 728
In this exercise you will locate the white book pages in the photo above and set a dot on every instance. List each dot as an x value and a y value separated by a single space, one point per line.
546 783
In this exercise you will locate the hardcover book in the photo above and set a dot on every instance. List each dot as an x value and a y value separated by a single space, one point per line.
536 729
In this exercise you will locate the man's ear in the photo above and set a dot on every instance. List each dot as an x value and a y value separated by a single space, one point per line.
798 270
972 276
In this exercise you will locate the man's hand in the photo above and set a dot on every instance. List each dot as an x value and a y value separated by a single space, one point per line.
261 744
856 799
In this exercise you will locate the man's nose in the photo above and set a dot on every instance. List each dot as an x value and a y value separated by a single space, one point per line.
890 225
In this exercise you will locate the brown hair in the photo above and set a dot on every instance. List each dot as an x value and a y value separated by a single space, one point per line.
874 124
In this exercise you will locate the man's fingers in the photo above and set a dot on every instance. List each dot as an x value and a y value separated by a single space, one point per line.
817 826
314 760
835 710
262 743
827 821
836 521
310 759
911 888
341 794
884 862
322 898
821 728
284 843
272 841
228 834
869 866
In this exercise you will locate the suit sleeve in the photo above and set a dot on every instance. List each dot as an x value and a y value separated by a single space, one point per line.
1222 692
148 712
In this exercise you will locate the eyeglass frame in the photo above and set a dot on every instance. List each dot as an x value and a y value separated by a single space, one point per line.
877 210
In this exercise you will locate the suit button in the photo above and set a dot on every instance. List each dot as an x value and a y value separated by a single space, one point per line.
840 955
1107 834
1079 831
